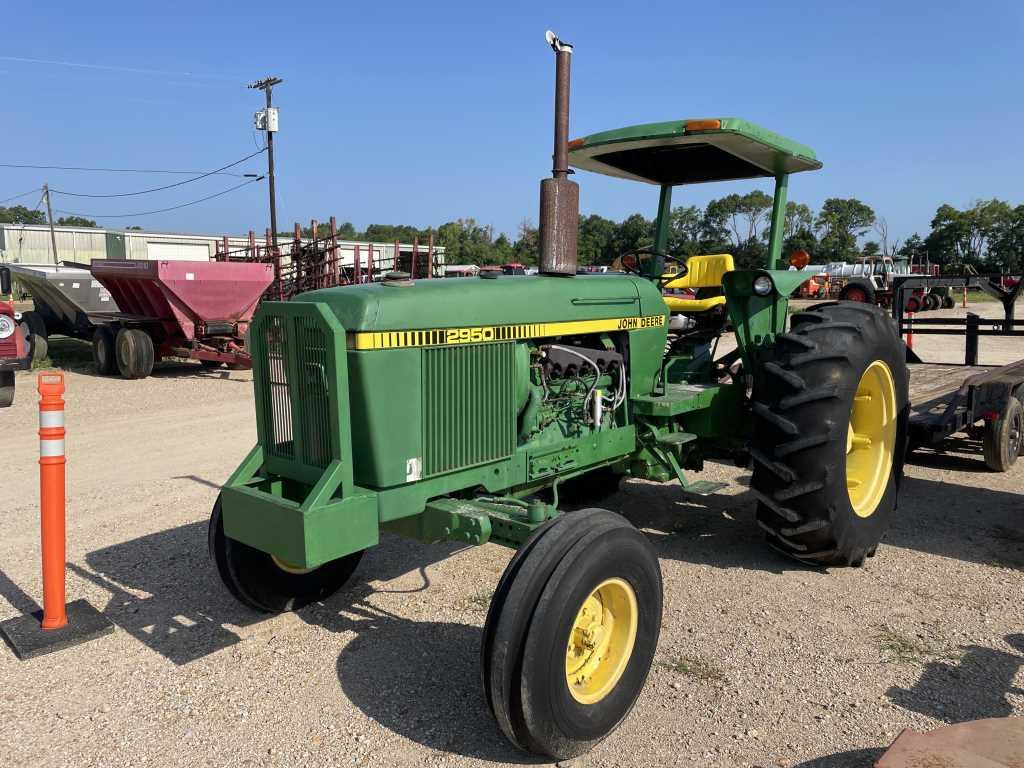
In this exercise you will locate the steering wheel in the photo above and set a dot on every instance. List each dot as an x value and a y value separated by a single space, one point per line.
630 262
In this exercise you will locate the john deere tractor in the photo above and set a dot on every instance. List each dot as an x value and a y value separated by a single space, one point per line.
456 410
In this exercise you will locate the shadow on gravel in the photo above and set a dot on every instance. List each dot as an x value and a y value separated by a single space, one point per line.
419 679
856 758
973 688
717 530
965 523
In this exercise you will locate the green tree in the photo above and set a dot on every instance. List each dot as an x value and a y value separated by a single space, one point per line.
596 240
799 217
742 215
1006 249
871 250
841 221
685 231
75 221
19 214
634 232
527 244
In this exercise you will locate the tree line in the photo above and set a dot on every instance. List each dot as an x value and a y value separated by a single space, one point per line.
988 235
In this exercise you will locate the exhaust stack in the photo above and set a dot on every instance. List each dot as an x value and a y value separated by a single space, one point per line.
559 196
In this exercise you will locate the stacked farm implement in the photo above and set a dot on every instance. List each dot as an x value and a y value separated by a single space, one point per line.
311 263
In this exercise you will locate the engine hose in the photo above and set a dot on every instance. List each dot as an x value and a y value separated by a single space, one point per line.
584 358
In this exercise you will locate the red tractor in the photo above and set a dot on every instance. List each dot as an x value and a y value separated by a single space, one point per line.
14 354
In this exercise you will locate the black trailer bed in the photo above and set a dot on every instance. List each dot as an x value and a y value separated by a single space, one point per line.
946 398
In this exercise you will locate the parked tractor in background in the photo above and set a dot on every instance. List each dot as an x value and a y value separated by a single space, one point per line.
14 352
870 281
529 385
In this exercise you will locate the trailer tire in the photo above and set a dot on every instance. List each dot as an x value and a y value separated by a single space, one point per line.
104 354
932 302
135 354
586 559
1004 437
861 291
948 302
913 304
6 389
267 584
830 434
37 334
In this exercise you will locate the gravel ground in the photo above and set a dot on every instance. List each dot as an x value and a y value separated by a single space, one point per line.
762 662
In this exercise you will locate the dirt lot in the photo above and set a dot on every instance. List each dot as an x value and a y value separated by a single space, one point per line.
762 662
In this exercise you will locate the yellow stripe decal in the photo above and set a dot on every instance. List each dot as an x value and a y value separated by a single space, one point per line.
441 337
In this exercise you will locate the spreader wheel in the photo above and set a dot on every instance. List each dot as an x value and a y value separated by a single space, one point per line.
932 302
104 356
830 434
1004 437
948 302
37 335
135 355
571 633
267 584
6 389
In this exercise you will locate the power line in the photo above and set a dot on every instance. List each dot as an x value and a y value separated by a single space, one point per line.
108 170
168 186
23 194
114 68
161 210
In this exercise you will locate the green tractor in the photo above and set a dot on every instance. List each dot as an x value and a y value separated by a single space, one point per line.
456 410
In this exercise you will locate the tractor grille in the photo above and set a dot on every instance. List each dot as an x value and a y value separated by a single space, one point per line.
469 412
293 372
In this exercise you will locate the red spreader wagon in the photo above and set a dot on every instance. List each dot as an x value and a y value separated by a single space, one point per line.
187 309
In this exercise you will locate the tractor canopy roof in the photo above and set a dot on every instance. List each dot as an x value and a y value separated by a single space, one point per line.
691 152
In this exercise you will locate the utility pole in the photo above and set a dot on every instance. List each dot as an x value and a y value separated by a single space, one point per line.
267 120
49 217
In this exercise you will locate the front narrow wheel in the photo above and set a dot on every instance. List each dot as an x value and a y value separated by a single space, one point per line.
830 434
269 584
571 633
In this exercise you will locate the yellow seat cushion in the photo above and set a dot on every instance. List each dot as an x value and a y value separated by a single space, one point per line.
704 272
677 304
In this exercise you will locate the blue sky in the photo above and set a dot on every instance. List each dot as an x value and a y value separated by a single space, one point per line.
424 112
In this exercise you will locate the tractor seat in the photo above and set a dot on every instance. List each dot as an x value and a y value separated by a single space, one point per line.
701 272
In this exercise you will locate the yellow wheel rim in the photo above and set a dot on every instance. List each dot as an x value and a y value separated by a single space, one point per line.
871 439
601 641
287 567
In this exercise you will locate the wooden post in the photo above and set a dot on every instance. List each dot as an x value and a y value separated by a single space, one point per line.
334 253
430 254
415 255
356 276
397 262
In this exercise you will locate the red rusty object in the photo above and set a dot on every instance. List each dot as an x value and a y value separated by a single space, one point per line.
993 743
197 309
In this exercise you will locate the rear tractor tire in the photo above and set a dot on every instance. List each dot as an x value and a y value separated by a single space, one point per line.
267 584
571 633
135 354
830 434
104 354
1004 437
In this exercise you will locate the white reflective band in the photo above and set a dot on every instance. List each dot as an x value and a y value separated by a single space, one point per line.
51 419
49 448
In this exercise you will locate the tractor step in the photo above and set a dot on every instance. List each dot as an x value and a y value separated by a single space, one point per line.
675 439
704 487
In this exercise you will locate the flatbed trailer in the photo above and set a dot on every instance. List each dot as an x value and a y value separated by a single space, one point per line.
951 398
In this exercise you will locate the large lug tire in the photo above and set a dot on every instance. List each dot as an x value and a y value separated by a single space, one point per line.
588 582
948 302
932 302
267 584
135 354
1004 437
830 434
6 389
861 291
104 355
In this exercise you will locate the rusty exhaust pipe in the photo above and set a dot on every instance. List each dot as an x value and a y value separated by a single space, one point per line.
559 196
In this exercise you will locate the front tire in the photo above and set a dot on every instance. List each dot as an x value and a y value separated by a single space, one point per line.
267 584
860 291
830 434
571 633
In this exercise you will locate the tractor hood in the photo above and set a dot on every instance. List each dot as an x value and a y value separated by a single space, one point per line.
474 301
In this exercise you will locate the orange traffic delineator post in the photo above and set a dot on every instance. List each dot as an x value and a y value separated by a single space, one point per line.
910 330
59 624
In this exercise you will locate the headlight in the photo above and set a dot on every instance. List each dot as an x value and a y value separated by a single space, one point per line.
763 285
6 326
